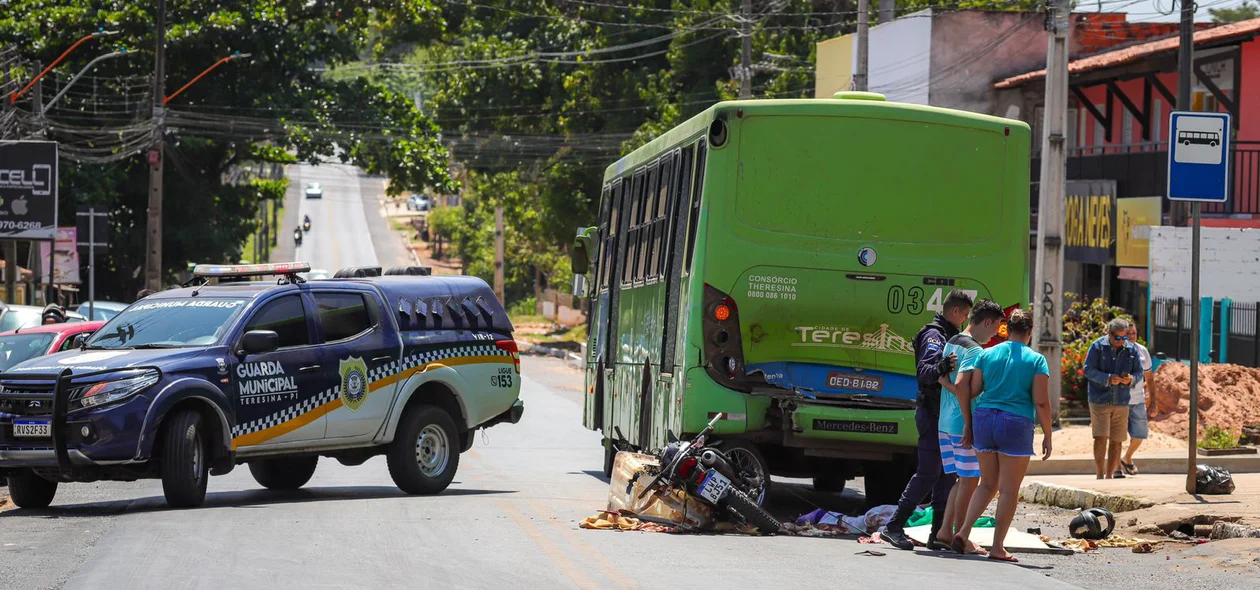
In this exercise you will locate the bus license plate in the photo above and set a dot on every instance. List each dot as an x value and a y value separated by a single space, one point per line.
714 487
841 380
32 429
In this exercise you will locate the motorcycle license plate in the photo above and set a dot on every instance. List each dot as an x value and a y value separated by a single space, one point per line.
32 429
714 487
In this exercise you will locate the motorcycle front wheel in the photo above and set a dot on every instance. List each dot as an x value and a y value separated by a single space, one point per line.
748 511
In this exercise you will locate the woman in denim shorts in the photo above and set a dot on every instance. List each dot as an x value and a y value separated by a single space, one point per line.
1015 382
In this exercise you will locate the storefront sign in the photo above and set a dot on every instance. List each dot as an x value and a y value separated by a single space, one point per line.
1135 217
1091 220
28 189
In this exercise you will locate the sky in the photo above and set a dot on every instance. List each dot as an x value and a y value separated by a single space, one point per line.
1153 10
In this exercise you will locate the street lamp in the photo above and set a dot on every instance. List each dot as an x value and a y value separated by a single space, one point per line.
102 33
91 64
229 58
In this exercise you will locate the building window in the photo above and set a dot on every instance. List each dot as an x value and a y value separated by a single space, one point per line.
1126 128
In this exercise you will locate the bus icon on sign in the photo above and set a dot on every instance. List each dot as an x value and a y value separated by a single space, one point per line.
1208 138
1198 139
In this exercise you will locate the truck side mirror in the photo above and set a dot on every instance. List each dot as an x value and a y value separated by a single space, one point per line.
580 253
579 286
259 342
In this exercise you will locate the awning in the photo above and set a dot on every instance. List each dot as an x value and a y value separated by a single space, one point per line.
1129 273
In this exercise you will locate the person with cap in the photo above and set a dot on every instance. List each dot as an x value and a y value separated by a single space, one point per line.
53 314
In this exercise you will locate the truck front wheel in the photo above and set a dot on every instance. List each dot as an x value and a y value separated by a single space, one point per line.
425 453
283 474
29 490
185 464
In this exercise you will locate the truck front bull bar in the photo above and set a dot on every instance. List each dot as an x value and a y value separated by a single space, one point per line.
62 383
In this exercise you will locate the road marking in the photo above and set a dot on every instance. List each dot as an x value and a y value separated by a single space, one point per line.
610 570
335 243
557 556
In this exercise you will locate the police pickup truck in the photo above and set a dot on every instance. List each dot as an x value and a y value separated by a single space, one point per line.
191 382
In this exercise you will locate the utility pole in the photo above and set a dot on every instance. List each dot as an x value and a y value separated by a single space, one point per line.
863 42
745 55
498 252
1185 80
1185 69
887 11
1048 300
153 259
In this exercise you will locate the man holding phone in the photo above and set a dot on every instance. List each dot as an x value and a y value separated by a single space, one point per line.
1110 366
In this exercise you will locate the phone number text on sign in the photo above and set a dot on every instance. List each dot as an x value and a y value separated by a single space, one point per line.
772 287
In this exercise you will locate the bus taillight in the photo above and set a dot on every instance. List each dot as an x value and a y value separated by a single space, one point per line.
1002 333
724 354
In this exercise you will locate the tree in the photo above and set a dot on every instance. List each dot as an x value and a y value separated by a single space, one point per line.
1245 11
276 99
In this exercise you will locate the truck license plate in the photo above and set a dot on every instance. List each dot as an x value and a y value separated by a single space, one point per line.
32 429
714 487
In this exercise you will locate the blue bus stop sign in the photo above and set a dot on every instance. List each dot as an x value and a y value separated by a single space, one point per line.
1198 157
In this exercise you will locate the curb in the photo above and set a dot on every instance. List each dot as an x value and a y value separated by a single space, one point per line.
1078 499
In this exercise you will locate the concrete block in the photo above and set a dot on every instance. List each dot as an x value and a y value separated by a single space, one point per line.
1079 499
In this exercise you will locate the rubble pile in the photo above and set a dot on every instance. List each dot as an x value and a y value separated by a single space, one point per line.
1229 398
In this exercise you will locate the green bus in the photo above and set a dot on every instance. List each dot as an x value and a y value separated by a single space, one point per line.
773 260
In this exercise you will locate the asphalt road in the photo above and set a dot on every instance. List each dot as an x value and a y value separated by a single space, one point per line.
347 228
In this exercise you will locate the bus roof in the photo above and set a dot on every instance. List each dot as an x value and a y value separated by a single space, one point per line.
697 125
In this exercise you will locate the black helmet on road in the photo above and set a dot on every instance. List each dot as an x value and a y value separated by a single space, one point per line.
1094 524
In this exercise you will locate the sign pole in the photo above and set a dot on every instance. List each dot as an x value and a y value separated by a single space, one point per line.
1192 466
92 263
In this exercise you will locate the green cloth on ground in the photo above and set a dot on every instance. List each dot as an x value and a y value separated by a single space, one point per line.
924 517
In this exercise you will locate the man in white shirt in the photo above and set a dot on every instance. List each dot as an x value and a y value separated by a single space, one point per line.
1139 413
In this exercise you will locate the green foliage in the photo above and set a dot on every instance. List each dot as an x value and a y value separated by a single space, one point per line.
1215 437
273 107
1247 10
525 306
1084 322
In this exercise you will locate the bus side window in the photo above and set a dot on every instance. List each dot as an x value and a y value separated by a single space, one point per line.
647 208
697 188
632 236
655 266
602 239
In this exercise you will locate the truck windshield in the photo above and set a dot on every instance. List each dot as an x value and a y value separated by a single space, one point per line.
170 323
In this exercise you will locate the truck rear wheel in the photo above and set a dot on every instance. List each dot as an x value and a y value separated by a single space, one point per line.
283 474
29 490
185 464
425 453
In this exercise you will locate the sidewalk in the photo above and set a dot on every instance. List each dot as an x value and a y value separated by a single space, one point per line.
1163 496
1162 462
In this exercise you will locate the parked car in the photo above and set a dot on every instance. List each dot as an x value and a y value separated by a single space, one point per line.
14 317
22 345
314 190
191 382
100 310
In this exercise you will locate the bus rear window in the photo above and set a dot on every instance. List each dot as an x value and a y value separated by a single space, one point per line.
857 179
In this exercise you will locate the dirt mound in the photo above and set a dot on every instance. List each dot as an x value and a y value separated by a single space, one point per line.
1229 397
1079 440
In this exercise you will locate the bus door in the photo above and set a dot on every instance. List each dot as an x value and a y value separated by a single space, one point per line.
679 206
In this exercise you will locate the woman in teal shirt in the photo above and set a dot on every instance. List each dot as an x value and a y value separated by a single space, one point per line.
1015 383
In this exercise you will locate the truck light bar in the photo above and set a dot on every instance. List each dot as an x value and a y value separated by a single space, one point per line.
250 270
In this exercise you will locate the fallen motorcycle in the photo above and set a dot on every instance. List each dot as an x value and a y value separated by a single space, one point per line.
707 474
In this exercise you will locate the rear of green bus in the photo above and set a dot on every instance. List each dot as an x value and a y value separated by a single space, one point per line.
832 232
